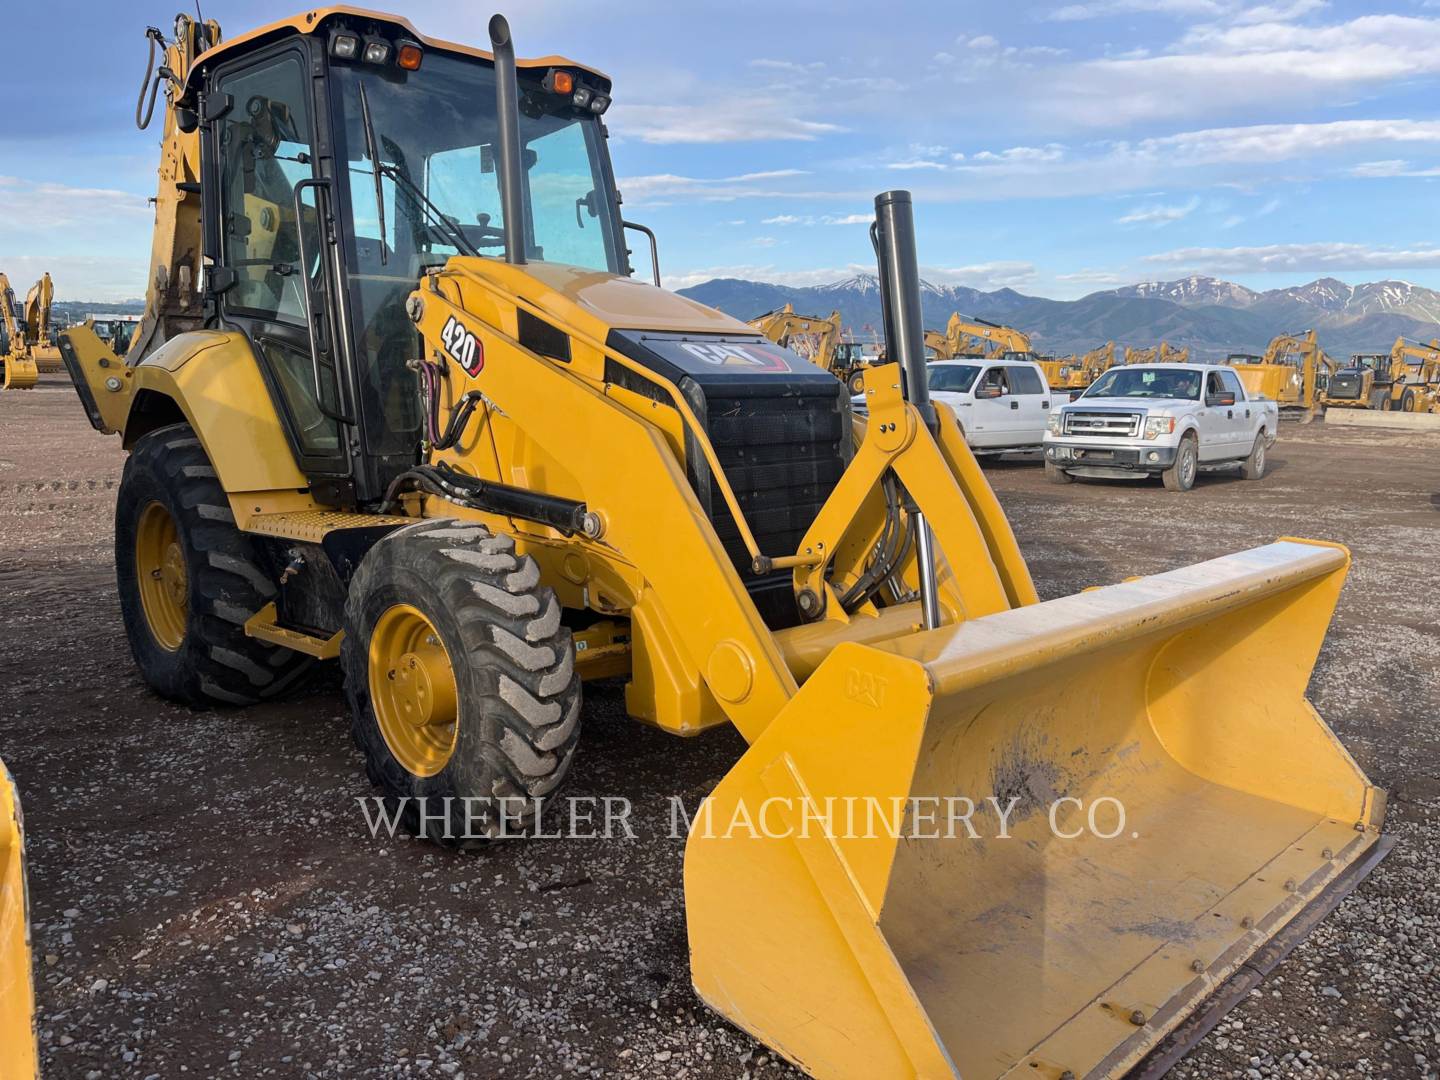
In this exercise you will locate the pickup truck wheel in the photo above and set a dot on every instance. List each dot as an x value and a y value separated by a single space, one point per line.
1057 475
1181 475
1254 466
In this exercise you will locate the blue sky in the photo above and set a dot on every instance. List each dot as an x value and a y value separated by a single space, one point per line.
1055 147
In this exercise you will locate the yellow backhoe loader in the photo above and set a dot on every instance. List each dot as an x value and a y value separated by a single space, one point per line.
1075 372
1406 379
818 340
416 414
1293 372
18 370
18 1059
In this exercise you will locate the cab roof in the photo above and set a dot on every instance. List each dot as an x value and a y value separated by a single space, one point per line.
312 21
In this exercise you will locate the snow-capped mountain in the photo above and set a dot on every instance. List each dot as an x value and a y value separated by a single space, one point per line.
1210 315
1196 289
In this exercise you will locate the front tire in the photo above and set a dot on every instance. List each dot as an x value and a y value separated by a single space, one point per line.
188 579
461 681
1180 476
1407 403
1254 465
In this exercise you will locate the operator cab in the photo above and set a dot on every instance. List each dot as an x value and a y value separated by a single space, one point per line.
389 142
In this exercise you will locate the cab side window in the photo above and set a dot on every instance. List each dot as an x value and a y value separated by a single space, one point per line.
995 379
1213 385
264 151
1232 383
1026 381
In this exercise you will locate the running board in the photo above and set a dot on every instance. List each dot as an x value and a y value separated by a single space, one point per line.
263 627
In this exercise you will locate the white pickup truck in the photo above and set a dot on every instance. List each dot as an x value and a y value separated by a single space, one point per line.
1171 419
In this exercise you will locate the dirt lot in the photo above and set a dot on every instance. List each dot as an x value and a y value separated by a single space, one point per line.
207 900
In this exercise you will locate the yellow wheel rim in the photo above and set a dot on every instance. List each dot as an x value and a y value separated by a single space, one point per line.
412 690
160 570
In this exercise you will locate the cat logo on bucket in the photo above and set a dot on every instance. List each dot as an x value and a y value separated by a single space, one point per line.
865 687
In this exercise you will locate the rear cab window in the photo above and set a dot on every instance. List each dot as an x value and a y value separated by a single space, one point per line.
1026 380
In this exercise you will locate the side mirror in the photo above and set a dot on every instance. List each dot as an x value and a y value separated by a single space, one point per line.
987 392
1222 399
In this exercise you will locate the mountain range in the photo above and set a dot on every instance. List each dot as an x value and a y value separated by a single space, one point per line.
1211 316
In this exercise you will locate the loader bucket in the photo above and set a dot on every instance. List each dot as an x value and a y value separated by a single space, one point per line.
17 998
863 947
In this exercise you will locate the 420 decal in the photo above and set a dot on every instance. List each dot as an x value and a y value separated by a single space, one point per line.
463 346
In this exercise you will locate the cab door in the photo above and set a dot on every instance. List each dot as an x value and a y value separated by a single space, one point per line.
1031 404
1217 421
264 206
991 421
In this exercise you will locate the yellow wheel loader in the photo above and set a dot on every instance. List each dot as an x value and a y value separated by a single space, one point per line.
398 400
18 1059
18 370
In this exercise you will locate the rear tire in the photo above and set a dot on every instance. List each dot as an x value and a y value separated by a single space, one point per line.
1057 475
1180 476
507 735
185 608
1407 402
1254 465
857 383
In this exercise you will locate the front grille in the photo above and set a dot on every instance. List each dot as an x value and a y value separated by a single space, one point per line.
783 451
1344 386
1111 425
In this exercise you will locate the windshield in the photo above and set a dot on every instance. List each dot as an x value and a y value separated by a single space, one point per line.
956 377
1147 383
434 131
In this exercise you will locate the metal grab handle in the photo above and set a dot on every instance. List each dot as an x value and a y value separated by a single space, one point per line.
654 249
318 184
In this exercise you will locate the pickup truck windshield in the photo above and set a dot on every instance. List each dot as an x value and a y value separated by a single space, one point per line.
954 377
1122 382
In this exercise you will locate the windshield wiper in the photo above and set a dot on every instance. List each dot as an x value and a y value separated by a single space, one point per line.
372 151
444 222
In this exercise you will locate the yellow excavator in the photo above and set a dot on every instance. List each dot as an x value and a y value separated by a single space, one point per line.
819 340
18 370
974 337
39 302
1406 379
1075 372
1293 372
18 1048
397 400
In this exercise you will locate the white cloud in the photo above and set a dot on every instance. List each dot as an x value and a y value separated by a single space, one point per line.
1158 215
661 186
727 119
989 275
767 273
1391 168
1306 258
1271 142
59 206
1102 8
99 278
822 219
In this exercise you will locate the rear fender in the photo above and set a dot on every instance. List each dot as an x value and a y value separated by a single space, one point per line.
207 378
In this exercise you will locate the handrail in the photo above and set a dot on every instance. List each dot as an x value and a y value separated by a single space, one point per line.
692 422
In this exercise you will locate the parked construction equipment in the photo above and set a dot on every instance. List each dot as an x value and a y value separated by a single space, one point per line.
1406 379
1076 372
18 370
974 337
817 340
38 330
478 480
1293 372
18 1059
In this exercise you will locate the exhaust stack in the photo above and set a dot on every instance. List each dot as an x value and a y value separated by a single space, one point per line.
507 109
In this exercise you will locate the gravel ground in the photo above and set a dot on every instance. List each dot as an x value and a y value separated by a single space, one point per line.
208 902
